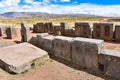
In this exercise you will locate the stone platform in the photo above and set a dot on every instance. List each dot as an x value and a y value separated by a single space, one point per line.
21 57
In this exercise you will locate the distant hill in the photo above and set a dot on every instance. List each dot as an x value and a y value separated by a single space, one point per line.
37 14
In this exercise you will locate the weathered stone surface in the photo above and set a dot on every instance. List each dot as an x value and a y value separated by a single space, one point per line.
56 29
103 31
21 57
3 30
85 52
82 29
48 27
117 33
45 42
39 28
110 63
63 26
33 40
11 32
70 32
25 32
62 47
40 40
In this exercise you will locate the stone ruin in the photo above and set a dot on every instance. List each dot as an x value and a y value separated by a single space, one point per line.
67 44
25 32
84 52
103 31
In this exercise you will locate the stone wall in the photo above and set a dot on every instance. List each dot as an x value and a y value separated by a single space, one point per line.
84 52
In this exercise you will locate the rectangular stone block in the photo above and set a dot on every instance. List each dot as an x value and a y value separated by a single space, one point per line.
56 29
103 31
11 32
109 63
25 32
82 29
40 39
62 47
33 40
63 26
85 52
39 28
117 33
21 57
48 27
46 43
3 30
70 32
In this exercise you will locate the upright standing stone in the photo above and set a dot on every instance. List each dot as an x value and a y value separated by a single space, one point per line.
49 27
82 29
25 32
85 52
56 29
11 32
63 26
3 30
117 33
103 31
39 28
62 47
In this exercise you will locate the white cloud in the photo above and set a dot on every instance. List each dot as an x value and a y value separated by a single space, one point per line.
45 6
9 2
65 0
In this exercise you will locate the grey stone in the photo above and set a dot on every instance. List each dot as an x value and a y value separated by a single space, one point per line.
62 47
117 33
3 30
25 32
103 31
20 57
63 26
56 29
33 40
39 28
82 29
110 62
85 52
11 32
49 28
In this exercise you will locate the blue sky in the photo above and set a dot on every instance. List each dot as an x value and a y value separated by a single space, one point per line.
94 7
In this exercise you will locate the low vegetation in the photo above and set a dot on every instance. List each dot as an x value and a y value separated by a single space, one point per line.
55 20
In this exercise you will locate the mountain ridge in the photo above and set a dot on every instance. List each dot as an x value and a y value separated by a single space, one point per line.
37 14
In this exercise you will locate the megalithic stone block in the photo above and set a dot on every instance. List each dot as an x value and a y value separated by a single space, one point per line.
48 27
25 32
3 30
117 33
62 47
103 31
63 26
85 52
82 29
39 27
11 32
109 63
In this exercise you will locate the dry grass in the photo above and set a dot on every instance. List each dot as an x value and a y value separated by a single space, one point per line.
56 20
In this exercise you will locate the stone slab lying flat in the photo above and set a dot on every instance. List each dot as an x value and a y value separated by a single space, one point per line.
21 57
